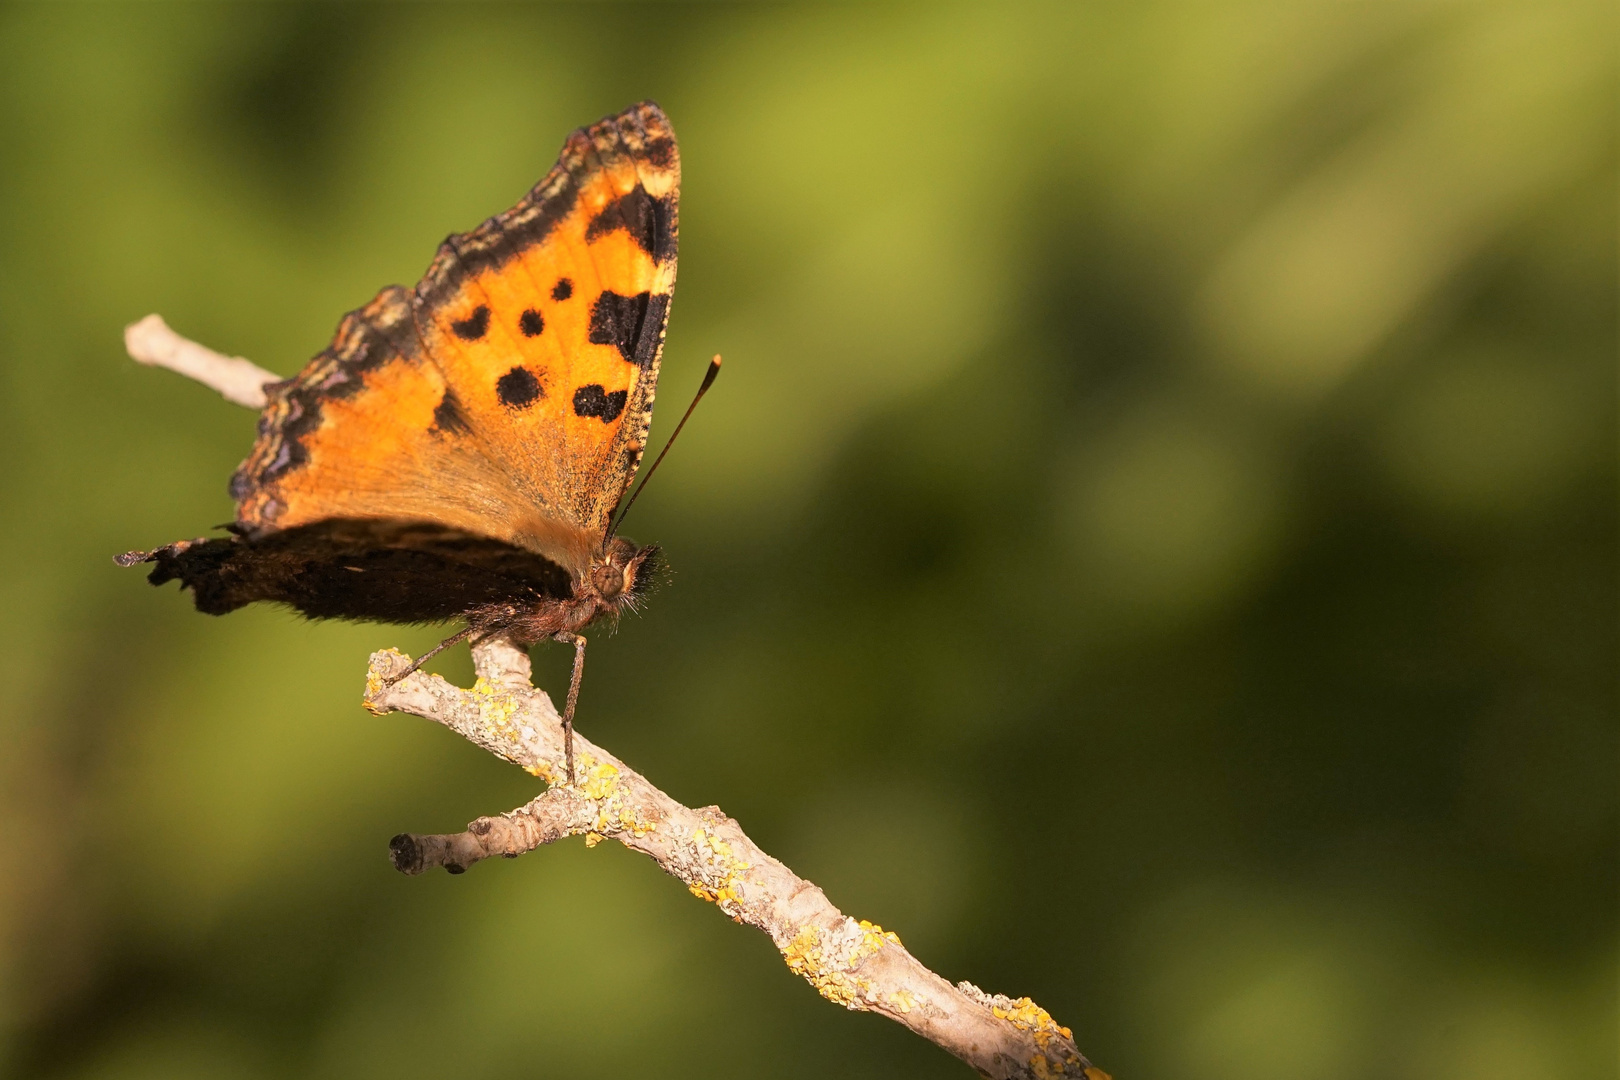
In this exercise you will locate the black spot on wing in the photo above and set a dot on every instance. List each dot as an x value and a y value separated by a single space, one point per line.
632 324
498 240
649 221
639 133
562 290
616 320
518 388
659 152
593 401
531 323
448 416
473 326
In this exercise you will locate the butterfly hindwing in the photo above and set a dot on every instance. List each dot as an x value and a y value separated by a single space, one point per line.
390 571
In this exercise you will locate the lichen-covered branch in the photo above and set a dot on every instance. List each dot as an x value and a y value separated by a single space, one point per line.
853 964
241 382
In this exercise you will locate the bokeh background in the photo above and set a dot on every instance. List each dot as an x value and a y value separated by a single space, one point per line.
1153 545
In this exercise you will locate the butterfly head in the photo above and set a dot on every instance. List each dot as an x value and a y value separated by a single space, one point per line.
621 570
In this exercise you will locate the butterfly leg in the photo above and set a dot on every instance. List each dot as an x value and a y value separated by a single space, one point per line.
578 642
430 654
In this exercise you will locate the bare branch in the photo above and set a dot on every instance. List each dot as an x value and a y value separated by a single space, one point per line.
854 964
240 381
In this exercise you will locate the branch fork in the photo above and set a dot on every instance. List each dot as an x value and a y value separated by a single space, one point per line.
850 962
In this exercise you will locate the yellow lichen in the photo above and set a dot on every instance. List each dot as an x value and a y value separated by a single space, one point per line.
722 872
598 780
1044 1068
592 839
876 936
829 961
631 820
1057 1056
904 1000
616 812
1024 1013
375 684
496 704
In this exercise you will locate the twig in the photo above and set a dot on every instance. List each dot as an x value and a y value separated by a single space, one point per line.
240 381
854 964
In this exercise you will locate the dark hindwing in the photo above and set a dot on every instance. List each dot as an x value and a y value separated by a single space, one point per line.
381 571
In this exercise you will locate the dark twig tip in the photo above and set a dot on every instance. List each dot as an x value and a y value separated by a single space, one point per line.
405 853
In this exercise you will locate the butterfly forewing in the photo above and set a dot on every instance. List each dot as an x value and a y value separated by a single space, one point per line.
509 394
359 434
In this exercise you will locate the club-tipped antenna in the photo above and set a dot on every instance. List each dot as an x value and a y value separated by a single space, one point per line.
708 381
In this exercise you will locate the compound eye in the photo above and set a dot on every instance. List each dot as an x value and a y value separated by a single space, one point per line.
608 580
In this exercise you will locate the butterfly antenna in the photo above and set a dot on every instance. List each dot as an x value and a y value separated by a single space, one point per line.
708 381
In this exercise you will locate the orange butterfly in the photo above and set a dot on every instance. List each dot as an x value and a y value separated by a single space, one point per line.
460 448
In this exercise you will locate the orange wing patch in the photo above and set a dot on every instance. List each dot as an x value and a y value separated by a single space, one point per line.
510 394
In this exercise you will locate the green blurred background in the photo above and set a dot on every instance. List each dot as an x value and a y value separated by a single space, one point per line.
1153 546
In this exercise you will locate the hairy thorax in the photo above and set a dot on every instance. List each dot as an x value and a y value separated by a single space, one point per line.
611 583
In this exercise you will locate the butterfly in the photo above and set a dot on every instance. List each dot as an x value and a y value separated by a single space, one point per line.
459 450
